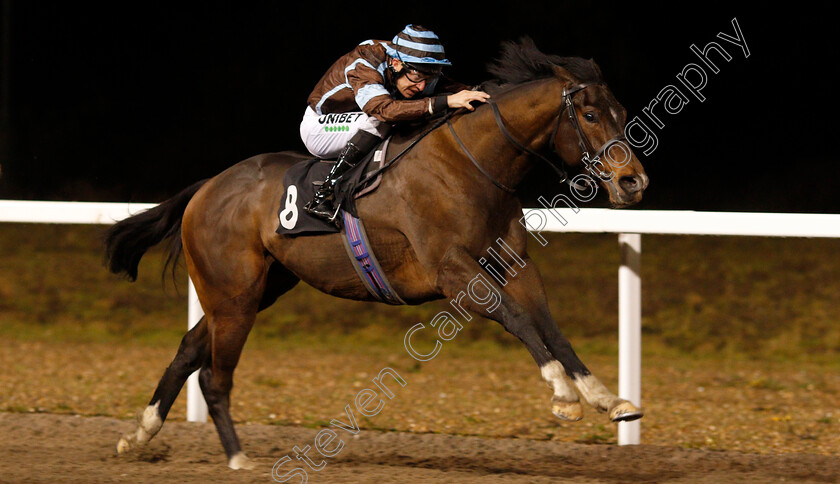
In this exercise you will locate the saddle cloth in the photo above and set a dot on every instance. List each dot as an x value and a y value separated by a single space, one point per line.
302 180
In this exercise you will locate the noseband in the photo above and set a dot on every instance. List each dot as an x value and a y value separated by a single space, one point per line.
559 166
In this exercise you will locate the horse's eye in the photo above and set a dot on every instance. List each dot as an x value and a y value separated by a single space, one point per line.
590 117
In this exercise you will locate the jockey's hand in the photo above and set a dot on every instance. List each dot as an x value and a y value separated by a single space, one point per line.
464 98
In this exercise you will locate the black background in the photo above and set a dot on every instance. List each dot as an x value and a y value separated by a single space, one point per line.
132 102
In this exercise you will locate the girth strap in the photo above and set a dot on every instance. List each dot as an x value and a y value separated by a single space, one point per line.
364 261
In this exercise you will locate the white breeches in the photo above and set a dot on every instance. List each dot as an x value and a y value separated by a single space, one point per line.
325 136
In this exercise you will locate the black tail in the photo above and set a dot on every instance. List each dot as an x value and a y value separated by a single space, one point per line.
127 240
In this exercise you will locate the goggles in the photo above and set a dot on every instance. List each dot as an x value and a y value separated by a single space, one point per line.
419 75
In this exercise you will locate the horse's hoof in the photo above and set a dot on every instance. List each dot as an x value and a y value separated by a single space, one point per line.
241 461
625 412
129 441
570 411
148 425
123 446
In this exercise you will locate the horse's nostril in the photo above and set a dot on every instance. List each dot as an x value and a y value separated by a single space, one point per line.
631 184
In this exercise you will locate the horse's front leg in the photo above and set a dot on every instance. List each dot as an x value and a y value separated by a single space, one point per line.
522 309
462 279
526 287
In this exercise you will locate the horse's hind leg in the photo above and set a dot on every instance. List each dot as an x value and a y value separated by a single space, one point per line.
232 303
231 325
192 353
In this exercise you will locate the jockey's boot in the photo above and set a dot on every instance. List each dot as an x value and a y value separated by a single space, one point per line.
322 205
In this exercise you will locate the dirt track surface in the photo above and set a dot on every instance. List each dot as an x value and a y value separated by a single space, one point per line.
58 448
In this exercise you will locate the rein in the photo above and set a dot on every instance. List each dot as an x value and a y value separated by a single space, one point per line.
472 158
370 176
558 166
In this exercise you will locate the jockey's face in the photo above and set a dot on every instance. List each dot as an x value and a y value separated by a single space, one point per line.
412 82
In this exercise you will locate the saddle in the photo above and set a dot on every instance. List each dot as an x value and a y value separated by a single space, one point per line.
302 180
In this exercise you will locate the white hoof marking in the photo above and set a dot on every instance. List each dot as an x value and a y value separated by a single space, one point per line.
554 374
595 393
565 403
148 425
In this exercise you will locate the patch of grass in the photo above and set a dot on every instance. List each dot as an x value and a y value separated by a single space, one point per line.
767 384
316 424
18 409
598 435
281 422
268 381
723 296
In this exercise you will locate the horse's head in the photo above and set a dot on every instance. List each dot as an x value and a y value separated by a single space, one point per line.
590 134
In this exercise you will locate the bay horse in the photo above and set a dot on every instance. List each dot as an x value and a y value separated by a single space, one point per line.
431 220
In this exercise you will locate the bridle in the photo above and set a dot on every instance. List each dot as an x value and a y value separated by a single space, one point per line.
583 141
558 165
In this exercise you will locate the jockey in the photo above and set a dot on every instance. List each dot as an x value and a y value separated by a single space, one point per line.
377 84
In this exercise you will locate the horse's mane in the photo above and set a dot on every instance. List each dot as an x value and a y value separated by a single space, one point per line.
521 62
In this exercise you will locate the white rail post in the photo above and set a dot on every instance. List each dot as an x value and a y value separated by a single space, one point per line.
630 332
196 406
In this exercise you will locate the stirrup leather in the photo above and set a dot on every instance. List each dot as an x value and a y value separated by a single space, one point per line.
321 204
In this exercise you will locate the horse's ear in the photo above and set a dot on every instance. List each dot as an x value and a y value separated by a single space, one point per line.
596 68
563 75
